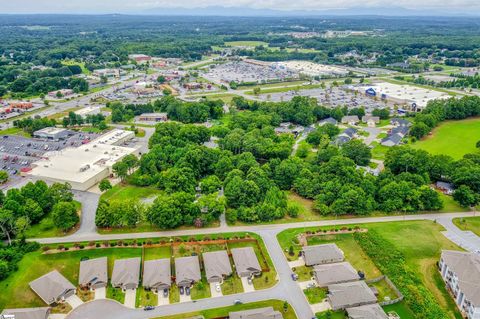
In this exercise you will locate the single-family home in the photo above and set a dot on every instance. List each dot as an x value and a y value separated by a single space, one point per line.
446 188
187 271
350 119
341 139
53 287
400 122
329 120
370 120
157 274
322 254
350 294
400 130
461 273
372 311
350 132
126 273
329 274
217 265
93 273
391 140
26 313
259 313
246 262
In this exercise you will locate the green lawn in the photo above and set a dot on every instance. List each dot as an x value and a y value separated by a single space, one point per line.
223 312
450 205
146 298
454 138
157 253
420 241
331 315
201 289
174 294
315 294
468 223
122 192
16 292
116 294
304 273
232 285
46 227
379 151
401 309
14 131
385 292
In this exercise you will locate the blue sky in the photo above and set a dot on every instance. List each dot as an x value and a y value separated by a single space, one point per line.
138 6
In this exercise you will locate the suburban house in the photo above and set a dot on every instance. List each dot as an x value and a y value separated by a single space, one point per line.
260 313
400 122
288 128
217 265
372 311
126 273
350 119
391 140
187 271
157 274
53 287
337 273
322 254
350 294
446 188
93 273
461 273
26 313
246 262
345 136
329 120
371 121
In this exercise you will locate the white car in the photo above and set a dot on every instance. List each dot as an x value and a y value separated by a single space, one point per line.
217 287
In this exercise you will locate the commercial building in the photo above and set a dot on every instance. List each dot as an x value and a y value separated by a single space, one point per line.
246 262
322 254
153 117
108 73
53 288
93 273
187 271
350 294
140 58
126 273
217 265
52 133
157 274
26 313
461 273
89 110
62 93
84 166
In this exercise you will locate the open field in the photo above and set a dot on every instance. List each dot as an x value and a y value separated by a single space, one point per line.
122 192
469 223
245 43
15 131
420 241
454 138
223 312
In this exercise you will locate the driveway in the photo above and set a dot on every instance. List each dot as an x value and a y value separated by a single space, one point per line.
306 284
130 298
321 307
246 286
89 208
297 263
162 300
185 298
213 291
74 301
101 293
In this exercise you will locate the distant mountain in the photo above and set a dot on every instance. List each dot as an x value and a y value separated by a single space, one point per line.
251 12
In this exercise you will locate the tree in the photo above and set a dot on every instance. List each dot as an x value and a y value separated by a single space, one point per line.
161 79
3 177
64 215
7 224
121 170
104 185
33 211
256 90
61 192
210 184
357 151
465 196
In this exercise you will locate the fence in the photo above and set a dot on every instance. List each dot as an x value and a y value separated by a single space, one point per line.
391 285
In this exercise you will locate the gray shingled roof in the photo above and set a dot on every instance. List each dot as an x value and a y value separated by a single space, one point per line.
217 265
93 271
466 267
350 294
260 313
50 287
157 273
126 272
373 311
28 313
322 254
187 270
246 261
334 273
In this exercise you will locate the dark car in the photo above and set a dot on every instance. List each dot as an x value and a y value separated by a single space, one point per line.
294 277
187 291
181 290
165 292
146 308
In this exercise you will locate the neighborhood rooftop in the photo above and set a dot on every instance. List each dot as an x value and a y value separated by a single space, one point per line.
334 273
350 294
157 274
52 287
217 265
187 270
260 313
126 273
246 262
373 311
322 254
93 272
26 313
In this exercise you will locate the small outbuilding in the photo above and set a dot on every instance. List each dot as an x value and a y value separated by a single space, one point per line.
322 254
157 274
217 265
126 273
246 262
93 273
187 271
53 287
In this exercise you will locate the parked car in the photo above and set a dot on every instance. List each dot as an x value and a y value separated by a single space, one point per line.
237 302
217 287
182 290
249 280
165 292
187 291
147 308
294 277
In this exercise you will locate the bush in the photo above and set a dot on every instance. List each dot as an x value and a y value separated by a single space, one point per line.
97 245
60 247
81 246
45 248
91 244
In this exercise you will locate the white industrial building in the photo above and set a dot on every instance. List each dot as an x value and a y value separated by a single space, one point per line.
89 110
52 133
86 165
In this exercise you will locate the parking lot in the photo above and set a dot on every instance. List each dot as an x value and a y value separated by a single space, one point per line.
19 152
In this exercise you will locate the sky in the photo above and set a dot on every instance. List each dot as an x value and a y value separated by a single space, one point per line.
142 6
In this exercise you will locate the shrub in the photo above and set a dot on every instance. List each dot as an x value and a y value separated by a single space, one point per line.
97 245
91 244
60 247
81 246
45 248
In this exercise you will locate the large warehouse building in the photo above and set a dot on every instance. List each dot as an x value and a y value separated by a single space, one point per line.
52 133
86 165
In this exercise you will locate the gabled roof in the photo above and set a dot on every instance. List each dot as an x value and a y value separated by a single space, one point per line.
260 313
373 311
321 254
349 118
187 268
51 286
367 118
93 270
393 138
350 131
350 293
334 273
329 120
466 267
28 313
126 271
217 264
157 272
245 260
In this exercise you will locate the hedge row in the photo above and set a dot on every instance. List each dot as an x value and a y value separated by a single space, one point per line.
391 262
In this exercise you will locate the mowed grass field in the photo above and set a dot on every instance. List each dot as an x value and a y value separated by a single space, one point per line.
454 138
468 223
